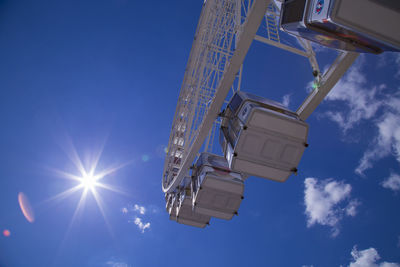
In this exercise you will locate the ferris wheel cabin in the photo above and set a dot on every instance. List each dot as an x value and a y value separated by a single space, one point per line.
184 212
217 191
261 137
364 26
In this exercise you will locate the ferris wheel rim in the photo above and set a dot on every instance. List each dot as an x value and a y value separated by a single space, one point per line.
245 38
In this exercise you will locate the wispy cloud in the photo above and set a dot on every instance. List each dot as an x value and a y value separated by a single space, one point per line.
392 182
141 225
140 209
136 212
387 141
351 209
367 102
135 209
391 60
368 258
361 100
286 100
114 263
327 201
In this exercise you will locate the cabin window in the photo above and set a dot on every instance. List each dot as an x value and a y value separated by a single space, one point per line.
235 102
293 11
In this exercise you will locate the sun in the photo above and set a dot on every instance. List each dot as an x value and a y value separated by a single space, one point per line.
89 182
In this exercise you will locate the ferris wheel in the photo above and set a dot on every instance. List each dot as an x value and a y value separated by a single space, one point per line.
199 185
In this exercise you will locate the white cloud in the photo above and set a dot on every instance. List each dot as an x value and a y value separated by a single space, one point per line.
116 264
141 225
135 211
361 101
382 60
392 59
286 100
140 209
387 141
327 202
364 258
351 208
392 182
365 102
368 258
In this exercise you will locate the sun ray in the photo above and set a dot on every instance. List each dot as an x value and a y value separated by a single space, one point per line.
76 159
96 159
111 170
99 203
76 212
88 179
63 194
79 206
112 188
65 175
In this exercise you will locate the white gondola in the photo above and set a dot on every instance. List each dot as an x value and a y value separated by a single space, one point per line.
366 26
261 137
217 191
184 212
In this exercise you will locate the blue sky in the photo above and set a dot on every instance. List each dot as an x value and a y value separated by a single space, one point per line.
103 78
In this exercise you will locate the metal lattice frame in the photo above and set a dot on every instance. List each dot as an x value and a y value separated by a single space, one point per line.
224 34
212 49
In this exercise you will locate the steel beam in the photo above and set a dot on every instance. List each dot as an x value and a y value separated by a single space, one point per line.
328 81
280 45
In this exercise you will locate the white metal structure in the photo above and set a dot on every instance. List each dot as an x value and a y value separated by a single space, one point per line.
224 34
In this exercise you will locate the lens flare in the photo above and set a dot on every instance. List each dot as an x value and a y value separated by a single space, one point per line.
145 158
6 233
26 208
